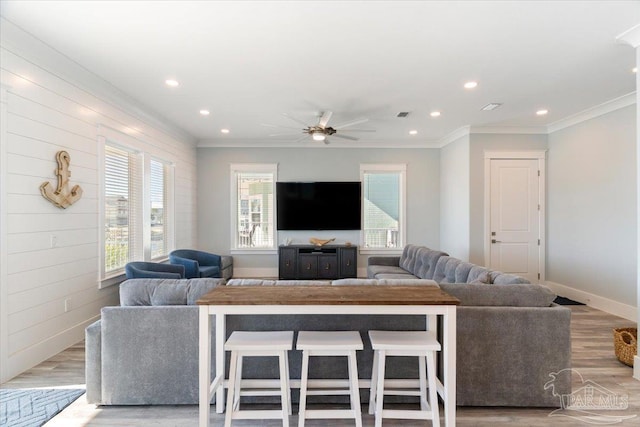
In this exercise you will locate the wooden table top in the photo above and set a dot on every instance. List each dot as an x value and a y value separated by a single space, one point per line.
327 295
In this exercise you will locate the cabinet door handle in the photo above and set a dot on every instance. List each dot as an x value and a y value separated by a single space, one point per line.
309 266
328 267
287 264
348 263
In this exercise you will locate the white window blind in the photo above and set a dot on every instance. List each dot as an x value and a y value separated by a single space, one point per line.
122 196
383 206
158 208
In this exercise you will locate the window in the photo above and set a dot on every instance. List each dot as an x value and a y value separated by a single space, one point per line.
383 206
137 214
252 206
158 208
121 199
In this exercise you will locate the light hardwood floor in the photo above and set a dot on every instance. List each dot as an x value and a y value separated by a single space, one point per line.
593 358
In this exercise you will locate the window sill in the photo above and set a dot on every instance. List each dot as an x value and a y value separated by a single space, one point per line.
115 279
254 251
381 251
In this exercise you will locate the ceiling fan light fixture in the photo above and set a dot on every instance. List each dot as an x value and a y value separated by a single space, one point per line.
318 136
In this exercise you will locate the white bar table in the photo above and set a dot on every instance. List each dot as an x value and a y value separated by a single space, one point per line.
430 301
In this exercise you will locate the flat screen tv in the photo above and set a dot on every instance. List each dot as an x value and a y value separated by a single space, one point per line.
318 205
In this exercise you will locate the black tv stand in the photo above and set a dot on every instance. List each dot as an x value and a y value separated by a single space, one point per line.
307 262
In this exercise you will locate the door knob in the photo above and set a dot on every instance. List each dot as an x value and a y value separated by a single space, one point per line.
495 241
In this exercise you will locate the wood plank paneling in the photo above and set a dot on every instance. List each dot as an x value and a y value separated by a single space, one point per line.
52 104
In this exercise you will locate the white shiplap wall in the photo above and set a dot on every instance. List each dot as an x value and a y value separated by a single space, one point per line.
49 103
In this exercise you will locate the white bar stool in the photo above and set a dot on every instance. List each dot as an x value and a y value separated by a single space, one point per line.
329 343
258 343
422 344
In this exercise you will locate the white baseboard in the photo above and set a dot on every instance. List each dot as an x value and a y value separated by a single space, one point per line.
616 308
26 359
636 367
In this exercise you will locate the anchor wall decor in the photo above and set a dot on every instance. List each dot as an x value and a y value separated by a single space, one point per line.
62 196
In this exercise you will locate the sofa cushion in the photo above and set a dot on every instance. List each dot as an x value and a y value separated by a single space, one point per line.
408 258
341 282
438 274
479 273
516 295
426 263
250 282
374 270
462 272
508 279
482 278
450 270
407 282
402 276
165 291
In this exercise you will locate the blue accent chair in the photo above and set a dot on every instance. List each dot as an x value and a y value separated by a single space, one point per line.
153 270
197 263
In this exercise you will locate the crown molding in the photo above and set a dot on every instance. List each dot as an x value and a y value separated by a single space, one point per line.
630 37
41 55
593 112
261 143
454 136
513 130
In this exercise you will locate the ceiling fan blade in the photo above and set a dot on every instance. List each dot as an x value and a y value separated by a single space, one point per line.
337 135
278 126
294 119
324 120
354 122
357 130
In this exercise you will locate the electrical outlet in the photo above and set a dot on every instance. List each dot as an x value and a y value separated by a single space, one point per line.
67 305
54 241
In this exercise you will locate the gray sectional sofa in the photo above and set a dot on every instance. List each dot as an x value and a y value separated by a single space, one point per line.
510 338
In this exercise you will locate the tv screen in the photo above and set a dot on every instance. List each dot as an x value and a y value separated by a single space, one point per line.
318 205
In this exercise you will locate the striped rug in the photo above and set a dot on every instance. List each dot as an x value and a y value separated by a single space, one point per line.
31 407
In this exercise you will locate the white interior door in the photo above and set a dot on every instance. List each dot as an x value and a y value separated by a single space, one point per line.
515 217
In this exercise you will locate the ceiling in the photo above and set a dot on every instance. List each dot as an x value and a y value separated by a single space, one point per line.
247 62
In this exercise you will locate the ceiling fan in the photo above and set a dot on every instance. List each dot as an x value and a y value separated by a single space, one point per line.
322 130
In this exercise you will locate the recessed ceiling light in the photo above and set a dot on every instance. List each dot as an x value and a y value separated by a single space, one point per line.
435 114
542 112
204 112
224 130
413 132
172 83
491 106
634 70
470 85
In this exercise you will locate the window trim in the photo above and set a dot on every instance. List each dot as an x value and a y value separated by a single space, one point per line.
400 168
234 169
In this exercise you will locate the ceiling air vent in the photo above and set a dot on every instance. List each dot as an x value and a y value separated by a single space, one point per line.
402 114
491 106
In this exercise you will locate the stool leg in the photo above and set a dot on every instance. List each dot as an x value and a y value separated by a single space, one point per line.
433 392
231 388
304 375
354 388
380 391
284 388
286 360
238 387
374 383
423 382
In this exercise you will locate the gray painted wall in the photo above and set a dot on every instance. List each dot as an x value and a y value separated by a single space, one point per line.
454 198
479 144
314 164
591 206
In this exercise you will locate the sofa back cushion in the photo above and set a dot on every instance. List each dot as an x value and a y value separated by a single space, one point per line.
165 291
462 272
408 258
450 270
516 295
426 262
507 279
